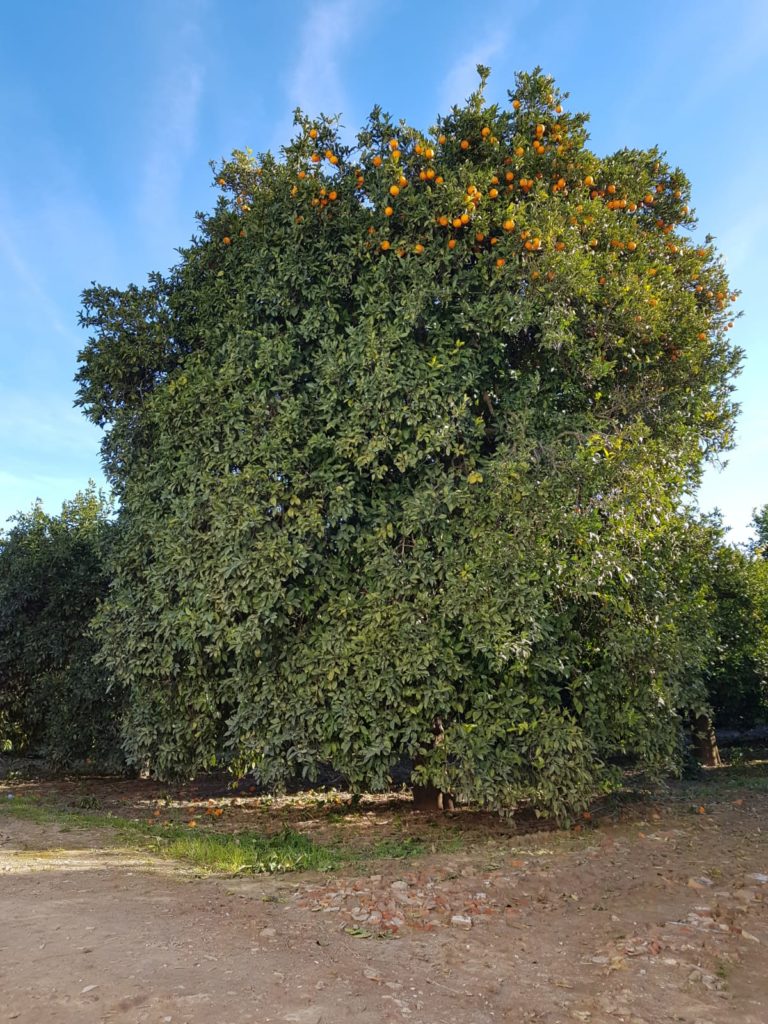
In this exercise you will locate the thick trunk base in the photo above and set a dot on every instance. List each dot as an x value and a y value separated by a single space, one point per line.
429 798
705 743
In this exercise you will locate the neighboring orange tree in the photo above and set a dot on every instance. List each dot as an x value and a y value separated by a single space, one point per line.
54 701
402 446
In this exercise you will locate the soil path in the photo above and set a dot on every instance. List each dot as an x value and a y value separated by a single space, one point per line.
652 922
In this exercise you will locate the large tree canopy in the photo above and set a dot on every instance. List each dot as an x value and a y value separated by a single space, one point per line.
401 445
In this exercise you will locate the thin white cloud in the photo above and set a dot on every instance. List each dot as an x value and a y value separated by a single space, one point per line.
21 270
315 82
173 119
461 79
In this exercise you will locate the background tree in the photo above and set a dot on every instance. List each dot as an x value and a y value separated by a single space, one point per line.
737 672
53 699
760 526
400 446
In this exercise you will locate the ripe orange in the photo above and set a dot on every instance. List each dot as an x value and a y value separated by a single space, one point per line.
315 158
429 153
508 224
442 140
388 211
385 245
465 218
332 196
396 154
442 220
516 104
430 173
452 243
394 190
333 158
419 248
492 193
221 181
302 175
393 144
485 132
631 246
457 222
464 144
313 133
519 151
589 181
226 240
500 261
376 161
439 179
540 130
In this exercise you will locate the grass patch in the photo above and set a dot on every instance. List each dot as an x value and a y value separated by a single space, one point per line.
244 852
248 852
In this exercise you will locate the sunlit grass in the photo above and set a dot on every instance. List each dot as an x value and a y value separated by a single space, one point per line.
219 852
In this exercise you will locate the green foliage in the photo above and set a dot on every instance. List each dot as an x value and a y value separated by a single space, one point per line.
760 524
400 446
737 673
53 699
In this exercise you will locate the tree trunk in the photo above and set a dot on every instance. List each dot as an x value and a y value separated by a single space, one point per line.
430 798
705 743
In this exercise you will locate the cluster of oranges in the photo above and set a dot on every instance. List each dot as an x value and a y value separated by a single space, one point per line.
393 173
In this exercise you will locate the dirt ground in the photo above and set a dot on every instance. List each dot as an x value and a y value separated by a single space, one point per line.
655 914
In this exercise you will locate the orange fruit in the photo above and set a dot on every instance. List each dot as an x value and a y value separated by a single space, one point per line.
442 140
333 159
519 151
393 144
631 246
442 220
465 218
508 224
430 172
220 181
464 144
589 181
516 104
540 130
394 190
388 211
479 236
439 179
500 261
313 133
302 175
492 193
429 153
332 196
419 248
376 161
457 222
315 158
226 240
485 132
385 245
452 243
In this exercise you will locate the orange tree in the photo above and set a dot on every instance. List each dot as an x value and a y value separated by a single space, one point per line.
400 446
54 701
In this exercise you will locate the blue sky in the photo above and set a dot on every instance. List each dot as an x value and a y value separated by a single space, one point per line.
110 112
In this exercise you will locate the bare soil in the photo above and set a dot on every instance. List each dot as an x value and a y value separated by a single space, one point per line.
650 914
